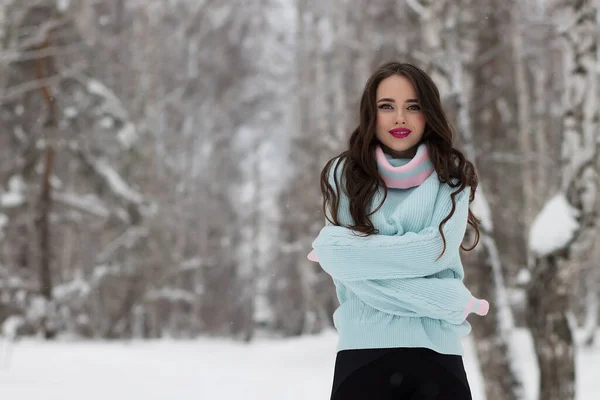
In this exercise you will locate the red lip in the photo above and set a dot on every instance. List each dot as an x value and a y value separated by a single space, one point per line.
401 131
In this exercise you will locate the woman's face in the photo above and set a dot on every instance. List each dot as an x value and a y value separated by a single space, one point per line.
400 121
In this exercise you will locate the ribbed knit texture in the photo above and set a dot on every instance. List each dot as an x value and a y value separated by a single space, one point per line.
392 288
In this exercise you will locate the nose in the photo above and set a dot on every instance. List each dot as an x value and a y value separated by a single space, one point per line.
400 118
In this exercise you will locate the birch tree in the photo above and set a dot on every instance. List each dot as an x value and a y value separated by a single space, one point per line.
567 222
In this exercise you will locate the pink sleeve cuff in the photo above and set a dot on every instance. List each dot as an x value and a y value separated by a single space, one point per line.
477 306
484 307
470 306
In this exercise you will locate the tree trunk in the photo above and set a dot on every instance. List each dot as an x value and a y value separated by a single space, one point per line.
43 68
547 294
547 318
541 138
524 115
592 307
43 230
493 334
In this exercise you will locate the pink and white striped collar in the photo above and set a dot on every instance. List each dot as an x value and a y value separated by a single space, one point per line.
411 174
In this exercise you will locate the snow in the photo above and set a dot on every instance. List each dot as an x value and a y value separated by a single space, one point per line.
14 197
218 16
246 192
3 223
10 326
480 207
127 240
37 309
127 135
554 226
100 271
9 199
175 295
75 288
524 277
424 12
506 323
62 5
88 203
70 112
326 34
191 264
275 369
113 105
107 122
12 282
117 184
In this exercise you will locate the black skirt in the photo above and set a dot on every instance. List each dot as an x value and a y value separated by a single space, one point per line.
399 373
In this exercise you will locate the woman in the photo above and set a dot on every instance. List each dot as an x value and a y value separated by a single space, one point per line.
397 208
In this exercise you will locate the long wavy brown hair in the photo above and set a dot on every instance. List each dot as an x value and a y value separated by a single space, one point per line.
360 167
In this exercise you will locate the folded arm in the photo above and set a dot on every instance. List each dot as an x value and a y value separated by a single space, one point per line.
444 299
347 256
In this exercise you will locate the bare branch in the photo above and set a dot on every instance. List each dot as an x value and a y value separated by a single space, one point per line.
52 51
41 35
13 92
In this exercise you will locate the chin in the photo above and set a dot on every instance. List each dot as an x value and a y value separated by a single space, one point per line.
402 147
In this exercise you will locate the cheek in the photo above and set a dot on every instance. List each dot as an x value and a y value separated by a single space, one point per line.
381 126
420 120
383 119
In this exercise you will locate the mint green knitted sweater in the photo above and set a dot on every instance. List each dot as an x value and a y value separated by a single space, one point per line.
392 288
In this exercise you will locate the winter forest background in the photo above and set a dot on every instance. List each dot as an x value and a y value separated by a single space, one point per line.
160 161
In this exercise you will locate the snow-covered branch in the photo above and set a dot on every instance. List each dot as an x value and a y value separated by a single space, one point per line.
108 175
87 203
114 107
128 239
174 295
419 8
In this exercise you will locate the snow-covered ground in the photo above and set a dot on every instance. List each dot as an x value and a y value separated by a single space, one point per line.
290 369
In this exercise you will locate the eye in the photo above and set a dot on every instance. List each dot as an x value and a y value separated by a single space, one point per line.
414 107
385 106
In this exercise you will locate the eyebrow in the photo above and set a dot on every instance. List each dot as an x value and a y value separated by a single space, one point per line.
393 101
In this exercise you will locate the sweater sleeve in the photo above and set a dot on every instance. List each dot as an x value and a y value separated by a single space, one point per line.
443 299
347 256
